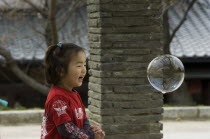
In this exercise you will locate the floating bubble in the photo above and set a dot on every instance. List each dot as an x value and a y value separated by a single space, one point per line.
165 73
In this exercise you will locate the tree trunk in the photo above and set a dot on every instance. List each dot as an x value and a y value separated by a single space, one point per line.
51 37
11 64
52 22
181 96
166 33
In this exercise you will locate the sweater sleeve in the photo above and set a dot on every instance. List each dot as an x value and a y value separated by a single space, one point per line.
86 124
71 131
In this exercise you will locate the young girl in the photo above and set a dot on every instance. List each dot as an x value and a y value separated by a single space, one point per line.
64 116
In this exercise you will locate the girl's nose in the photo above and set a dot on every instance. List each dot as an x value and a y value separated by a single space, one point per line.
84 69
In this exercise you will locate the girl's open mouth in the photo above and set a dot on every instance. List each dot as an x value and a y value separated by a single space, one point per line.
81 78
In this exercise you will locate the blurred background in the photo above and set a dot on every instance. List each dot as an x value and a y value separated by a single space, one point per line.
26 31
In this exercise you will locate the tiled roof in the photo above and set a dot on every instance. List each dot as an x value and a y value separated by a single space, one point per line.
24 43
193 37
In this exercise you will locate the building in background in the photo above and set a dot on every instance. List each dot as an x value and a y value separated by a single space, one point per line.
191 44
22 31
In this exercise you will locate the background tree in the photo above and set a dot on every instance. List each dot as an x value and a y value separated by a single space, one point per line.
52 12
55 17
181 95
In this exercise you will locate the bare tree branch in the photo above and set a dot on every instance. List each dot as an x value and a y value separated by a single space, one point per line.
8 6
50 33
11 64
42 12
6 3
167 37
75 5
182 21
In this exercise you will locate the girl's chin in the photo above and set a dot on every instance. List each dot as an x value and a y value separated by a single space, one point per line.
78 85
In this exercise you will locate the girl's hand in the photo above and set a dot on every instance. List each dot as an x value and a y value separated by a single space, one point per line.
99 133
98 136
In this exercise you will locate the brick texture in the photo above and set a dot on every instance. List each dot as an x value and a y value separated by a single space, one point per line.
124 36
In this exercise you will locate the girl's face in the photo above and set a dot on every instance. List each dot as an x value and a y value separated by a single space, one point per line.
75 73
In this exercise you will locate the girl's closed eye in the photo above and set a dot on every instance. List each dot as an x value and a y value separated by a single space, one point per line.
79 64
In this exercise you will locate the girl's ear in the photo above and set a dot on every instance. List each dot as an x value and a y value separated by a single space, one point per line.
62 73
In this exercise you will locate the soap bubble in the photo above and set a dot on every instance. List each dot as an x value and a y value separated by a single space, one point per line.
165 73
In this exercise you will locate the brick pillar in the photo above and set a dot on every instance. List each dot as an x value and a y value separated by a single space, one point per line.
124 36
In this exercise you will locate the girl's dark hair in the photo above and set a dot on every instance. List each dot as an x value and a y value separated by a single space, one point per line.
57 58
